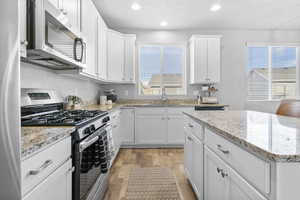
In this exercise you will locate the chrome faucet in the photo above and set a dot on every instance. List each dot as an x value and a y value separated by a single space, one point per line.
163 94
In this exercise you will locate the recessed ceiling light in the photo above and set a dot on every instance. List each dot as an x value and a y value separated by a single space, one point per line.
136 6
215 7
164 23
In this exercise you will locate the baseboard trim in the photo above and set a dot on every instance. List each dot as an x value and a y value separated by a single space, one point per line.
151 146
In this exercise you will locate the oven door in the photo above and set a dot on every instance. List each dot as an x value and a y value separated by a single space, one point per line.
51 38
93 161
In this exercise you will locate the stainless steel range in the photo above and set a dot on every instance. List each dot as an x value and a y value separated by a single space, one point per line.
91 142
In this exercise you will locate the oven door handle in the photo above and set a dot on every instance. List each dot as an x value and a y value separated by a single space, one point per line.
84 144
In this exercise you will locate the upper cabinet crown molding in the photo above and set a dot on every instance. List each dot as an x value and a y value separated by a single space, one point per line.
205 59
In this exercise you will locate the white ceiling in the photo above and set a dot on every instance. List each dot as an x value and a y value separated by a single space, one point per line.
196 14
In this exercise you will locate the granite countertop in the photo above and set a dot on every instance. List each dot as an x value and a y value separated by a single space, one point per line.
35 139
274 137
147 104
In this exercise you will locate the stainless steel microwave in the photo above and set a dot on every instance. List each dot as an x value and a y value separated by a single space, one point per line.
51 41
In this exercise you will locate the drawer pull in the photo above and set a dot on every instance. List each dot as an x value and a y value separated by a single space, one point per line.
46 164
222 150
224 174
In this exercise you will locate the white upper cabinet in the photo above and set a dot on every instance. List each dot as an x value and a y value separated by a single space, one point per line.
115 56
102 49
71 8
89 30
205 59
129 58
23 34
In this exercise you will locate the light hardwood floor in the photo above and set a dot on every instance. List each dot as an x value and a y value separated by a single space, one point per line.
129 158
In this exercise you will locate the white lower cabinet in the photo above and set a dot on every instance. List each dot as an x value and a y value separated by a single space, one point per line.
150 129
160 125
239 189
188 154
222 182
216 177
193 154
215 183
175 129
116 131
58 185
127 126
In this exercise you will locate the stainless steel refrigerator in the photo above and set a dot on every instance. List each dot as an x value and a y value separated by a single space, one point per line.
10 183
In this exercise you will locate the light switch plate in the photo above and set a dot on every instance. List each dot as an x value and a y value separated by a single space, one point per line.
195 92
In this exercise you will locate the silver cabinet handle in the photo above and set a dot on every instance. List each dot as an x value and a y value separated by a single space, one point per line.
224 174
63 11
24 42
190 125
220 148
46 164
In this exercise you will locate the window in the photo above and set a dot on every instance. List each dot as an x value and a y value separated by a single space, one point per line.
272 72
161 66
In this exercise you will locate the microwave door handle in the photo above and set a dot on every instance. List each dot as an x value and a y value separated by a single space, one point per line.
76 42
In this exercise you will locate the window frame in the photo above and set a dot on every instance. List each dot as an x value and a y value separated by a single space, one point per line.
270 46
184 68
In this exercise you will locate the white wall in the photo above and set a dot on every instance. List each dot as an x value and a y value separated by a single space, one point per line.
232 89
38 77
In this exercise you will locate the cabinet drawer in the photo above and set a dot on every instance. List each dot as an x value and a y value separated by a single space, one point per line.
35 169
252 168
179 110
151 111
194 127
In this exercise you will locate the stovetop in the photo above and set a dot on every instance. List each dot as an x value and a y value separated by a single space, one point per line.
64 118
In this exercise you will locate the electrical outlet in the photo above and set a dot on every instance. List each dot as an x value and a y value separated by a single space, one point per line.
126 92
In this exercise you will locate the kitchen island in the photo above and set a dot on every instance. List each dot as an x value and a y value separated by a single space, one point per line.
244 154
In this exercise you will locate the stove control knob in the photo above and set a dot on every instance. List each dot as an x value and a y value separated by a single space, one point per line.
106 119
87 131
92 128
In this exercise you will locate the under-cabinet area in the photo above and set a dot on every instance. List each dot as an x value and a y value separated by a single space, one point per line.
149 100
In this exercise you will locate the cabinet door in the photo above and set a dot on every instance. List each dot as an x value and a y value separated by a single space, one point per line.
102 42
115 56
213 60
89 30
200 60
198 164
71 9
129 58
55 3
56 186
239 189
188 154
215 184
175 129
151 129
23 35
127 126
